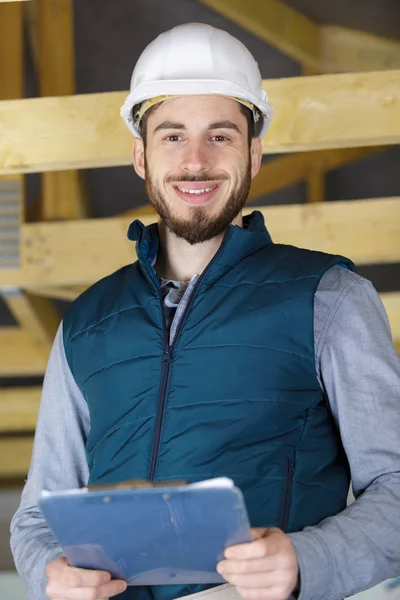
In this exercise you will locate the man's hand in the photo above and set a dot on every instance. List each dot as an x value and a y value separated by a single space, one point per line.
70 583
266 569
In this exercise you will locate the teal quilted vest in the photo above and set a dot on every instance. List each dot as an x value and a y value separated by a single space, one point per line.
237 393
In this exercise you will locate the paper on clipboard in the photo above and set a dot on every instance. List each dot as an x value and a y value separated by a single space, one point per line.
150 535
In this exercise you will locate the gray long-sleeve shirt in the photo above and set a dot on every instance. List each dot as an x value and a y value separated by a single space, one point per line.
358 369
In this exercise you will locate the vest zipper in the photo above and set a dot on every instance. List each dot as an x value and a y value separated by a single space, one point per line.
287 496
168 355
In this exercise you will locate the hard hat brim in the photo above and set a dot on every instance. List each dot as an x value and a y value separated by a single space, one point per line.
189 87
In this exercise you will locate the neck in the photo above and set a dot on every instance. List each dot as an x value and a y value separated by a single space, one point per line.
179 260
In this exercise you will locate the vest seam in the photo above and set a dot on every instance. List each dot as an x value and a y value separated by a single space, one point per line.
249 346
107 317
317 484
232 400
118 362
112 430
266 282
226 474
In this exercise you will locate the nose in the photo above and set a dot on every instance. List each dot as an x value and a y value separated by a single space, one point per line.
195 159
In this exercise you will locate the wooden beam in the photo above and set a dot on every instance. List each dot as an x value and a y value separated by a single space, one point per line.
67 293
278 24
329 111
11 51
81 252
15 456
316 186
11 87
62 194
321 48
19 408
333 111
315 182
35 315
19 356
290 169
351 50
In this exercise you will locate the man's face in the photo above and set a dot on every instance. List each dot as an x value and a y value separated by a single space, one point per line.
197 164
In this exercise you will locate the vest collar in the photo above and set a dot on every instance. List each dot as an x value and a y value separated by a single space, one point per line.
238 241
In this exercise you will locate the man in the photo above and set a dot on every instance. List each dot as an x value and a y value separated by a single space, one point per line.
221 353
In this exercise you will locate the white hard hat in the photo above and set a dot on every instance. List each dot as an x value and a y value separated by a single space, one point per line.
196 59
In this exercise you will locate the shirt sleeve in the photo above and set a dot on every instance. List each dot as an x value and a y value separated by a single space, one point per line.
359 371
58 462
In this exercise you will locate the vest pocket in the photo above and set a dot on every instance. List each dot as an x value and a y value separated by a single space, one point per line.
287 495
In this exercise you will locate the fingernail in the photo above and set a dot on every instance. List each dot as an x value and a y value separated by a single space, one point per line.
123 586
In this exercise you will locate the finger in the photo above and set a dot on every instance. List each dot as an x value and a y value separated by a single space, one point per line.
56 589
263 546
61 570
255 565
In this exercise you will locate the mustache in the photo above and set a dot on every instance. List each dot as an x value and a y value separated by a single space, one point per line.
193 178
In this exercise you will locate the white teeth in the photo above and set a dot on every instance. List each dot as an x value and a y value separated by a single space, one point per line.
197 192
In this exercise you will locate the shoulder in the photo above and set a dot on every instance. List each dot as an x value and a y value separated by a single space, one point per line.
343 301
338 283
298 262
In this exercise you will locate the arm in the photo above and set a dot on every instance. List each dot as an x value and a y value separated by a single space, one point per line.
58 462
360 371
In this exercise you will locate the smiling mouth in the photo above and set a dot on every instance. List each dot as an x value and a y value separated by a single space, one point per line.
196 191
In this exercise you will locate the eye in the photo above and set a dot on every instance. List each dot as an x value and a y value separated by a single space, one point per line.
174 137
219 138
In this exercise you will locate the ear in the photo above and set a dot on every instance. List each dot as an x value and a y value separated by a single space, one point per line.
138 157
255 156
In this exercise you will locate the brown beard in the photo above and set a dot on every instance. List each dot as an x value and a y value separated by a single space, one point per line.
200 227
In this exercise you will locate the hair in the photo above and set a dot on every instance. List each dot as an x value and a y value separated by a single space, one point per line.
253 129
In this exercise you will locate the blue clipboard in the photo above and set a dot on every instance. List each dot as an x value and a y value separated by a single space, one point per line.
150 536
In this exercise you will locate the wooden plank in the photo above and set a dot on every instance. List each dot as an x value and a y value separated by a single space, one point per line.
11 51
61 190
11 86
278 24
320 48
316 186
19 408
315 182
62 196
67 293
15 455
334 111
19 355
328 111
79 253
290 169
346 49
35 315
56 31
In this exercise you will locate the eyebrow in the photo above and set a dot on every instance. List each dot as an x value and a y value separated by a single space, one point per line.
216 125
